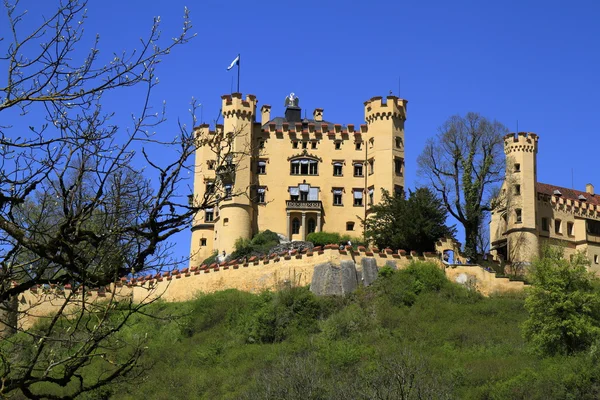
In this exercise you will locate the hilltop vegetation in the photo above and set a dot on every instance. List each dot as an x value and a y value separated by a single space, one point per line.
413 334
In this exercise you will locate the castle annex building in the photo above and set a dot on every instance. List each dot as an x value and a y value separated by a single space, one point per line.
531 214
293 175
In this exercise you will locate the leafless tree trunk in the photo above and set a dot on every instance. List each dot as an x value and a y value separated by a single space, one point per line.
463 163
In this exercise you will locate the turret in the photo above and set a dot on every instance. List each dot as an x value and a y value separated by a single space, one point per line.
235 219
520 196
385 144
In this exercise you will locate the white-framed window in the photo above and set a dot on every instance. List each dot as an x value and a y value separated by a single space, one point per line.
304 166
337 169
357 194
209 215
337 197
260 195
358 169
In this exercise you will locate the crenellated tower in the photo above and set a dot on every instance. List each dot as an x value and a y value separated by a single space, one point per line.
519 189
226 171
385 144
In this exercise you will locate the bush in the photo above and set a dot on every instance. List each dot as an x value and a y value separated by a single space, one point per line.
211 259
283 313
260 244
323 238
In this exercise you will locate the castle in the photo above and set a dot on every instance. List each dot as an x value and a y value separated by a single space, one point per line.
530 214
293 175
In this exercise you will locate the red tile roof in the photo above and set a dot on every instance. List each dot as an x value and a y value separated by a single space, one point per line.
566 193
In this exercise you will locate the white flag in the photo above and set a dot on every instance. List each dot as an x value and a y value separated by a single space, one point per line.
234 63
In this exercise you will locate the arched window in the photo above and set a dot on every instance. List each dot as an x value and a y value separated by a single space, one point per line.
312 225
295 226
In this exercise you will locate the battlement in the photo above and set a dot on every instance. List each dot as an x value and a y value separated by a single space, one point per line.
315 130
204 129
378 109
234 105
523 141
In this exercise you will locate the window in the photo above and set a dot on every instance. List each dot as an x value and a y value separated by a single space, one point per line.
338 145
398 191
260 195
203 242
518 219
210 187
337 169
558 227
226 221
595 258
570 228
517 167
371 167
209 215
337 197
261 144
545 224
398 166
313 145
304 145
371 195
211 164
358 145
358 169
592 227
228 189
304 167
294 144
294 193
295 226
398 142
349 226
518 190
358 197
311 225
261 168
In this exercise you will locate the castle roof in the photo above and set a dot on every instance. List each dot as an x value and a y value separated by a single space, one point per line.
280 120
566 193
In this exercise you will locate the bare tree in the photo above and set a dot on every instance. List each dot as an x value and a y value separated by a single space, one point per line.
463 163
75 211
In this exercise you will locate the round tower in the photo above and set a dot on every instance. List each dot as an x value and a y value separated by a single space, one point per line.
236 210
520 194
385 143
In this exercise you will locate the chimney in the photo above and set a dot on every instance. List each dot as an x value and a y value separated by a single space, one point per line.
265 114
589 188
318 115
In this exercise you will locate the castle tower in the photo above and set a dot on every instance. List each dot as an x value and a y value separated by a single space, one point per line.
227 172
385 144
520 194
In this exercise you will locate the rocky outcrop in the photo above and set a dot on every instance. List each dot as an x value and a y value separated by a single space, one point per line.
295 245
369 271
329 279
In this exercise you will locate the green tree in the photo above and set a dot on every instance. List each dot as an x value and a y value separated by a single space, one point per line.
462 163
563 305
414 223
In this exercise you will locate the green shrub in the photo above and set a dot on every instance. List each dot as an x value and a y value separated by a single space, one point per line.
211 259
265 238
323 238
281 314
261 243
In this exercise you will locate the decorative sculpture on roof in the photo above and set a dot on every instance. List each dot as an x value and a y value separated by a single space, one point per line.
292 100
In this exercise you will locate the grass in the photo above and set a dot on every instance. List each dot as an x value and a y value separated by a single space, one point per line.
450 342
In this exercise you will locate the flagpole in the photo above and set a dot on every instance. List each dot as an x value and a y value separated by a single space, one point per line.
239 65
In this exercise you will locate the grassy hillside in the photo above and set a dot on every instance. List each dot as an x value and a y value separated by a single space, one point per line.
411 335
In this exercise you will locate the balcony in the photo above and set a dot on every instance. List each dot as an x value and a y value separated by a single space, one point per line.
314 205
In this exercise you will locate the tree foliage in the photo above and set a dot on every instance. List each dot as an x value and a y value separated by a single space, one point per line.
413 223
82 200
563 305
462 163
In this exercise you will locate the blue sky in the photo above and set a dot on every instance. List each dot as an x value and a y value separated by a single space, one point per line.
535 62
